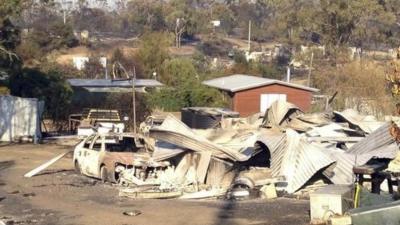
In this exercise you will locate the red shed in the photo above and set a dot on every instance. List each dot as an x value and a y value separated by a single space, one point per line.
251 94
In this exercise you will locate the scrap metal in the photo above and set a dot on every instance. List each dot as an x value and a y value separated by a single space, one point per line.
295 159
379 144
364 123
176 132
279 114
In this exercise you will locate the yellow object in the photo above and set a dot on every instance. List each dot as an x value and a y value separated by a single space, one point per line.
357 195
4 90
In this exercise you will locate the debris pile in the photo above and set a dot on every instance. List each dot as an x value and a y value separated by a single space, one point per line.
284 150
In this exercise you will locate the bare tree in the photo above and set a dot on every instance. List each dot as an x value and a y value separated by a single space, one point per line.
179 29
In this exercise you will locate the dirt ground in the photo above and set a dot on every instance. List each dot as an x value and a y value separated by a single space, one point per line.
59 196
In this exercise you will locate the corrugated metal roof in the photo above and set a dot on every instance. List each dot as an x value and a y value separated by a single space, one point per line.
366 123
164 150
280 113
379 144
174 131
343 169
240 82
295 159
377 139
113 83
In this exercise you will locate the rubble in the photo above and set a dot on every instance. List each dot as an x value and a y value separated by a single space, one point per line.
365 123
291 147
279 114
176 132
295 159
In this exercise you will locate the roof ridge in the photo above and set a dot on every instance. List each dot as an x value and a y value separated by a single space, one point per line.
239 82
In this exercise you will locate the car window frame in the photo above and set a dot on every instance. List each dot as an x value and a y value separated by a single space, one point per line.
135 148
97 137
90 140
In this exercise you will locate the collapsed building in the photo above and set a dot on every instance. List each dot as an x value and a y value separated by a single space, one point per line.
285 148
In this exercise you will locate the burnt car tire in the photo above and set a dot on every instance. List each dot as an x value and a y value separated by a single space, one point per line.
103 174
77 168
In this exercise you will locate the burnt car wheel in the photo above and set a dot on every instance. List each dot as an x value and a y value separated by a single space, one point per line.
77 168
103 174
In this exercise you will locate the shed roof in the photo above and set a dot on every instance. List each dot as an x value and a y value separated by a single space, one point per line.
113 83
240 82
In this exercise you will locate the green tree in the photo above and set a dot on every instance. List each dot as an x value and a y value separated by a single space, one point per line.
153 51
358 22
50 87
9 39
291 20
178 72
184 88
195 18
259 13
54 35
92 19
10 63
223 13
334 23
146 15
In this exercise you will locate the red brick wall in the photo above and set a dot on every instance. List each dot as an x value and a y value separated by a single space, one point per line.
247 102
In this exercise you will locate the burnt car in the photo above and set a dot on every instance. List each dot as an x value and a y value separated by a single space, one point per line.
105 156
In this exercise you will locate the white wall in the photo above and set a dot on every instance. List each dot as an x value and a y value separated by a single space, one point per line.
19 117
266 100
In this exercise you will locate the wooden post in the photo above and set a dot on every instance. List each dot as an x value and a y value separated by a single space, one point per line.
309 71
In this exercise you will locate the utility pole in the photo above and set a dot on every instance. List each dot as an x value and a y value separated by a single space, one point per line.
133 80
309 70
134 100
249 35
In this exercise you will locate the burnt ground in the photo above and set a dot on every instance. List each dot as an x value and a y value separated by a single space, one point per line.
59 196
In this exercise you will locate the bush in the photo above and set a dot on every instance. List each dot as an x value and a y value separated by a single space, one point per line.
29 50
215 47
270 71
174 99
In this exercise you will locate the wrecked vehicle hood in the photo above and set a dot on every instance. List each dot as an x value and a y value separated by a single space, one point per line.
128 158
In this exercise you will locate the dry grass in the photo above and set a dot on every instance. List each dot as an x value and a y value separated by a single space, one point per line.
360 84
